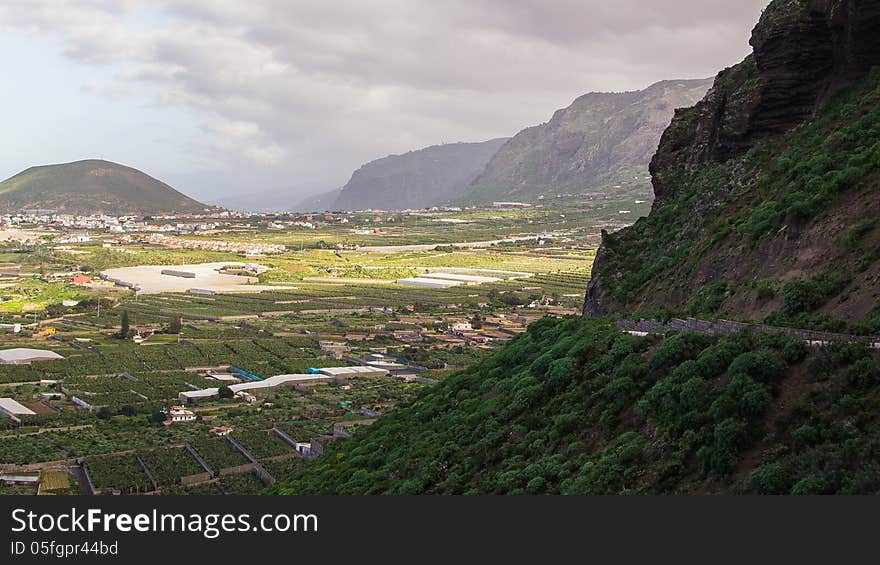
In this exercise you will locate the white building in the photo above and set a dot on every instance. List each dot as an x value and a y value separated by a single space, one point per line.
180 414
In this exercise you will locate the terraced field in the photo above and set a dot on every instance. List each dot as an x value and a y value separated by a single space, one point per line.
106 401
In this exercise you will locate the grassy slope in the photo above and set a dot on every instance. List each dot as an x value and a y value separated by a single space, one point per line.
92 185
724 243
576 407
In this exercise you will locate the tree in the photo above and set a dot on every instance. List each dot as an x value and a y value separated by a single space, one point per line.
225 392
124 325
175 326
477 322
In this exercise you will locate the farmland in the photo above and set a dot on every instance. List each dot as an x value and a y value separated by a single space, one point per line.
103 410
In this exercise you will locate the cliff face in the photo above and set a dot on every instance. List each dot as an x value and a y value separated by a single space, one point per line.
805 95
416 179
601 140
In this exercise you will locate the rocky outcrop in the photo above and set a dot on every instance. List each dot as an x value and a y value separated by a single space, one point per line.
804 52
416 179
601 141
594 297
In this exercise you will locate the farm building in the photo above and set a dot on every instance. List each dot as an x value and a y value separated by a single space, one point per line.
196 395
280 380
20 479
223 377
12 407
221 431
355 371
177 273
201 291
24 355
429 283
335 348
466 279
180 414
256 387
386 365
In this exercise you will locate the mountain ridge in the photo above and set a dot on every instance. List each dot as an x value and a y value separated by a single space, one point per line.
602 139
416 179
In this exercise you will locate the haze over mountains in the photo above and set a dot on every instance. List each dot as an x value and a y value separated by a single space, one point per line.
92 186
415 179
600 140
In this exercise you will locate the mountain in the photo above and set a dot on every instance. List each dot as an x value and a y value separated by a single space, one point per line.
767 192
600 141
90 186
416 179
320 202
766 201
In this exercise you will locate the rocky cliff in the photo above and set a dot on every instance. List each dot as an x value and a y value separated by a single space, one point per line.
416 179
602 140
769 184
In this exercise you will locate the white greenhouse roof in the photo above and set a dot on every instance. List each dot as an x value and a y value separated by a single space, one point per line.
277 380
25 355
14 407
352 371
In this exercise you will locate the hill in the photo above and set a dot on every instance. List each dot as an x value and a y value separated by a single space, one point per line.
766 201
576 407
601 141
767 191
92 186
416 179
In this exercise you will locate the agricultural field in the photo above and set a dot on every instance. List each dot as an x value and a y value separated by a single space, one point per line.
129 356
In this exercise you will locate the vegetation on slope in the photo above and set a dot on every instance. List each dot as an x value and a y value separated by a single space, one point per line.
745 224
90 186
575 407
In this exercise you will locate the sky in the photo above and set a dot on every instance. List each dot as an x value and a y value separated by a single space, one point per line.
237 101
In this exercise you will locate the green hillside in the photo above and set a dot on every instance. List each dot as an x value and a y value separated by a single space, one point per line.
767 192
576 407
767 205
91 186
797 244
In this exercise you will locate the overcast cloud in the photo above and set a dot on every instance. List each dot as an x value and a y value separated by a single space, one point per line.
292 96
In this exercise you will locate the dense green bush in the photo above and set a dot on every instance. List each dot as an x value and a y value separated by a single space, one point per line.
575 407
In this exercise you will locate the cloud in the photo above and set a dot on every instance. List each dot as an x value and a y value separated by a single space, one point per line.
310 90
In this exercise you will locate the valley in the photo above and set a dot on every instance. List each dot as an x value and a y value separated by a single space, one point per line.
184 401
